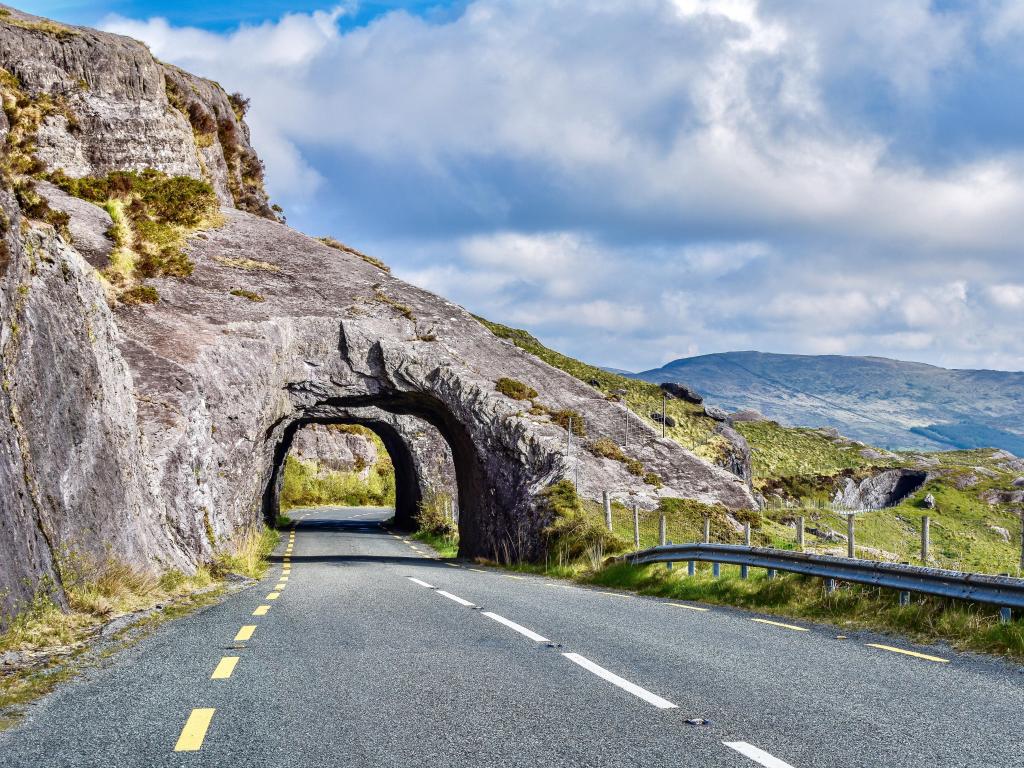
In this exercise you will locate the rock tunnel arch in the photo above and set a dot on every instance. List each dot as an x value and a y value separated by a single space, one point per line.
384 415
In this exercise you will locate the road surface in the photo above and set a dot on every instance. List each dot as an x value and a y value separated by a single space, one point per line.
361 649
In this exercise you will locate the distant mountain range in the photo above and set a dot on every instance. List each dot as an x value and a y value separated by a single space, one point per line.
889 403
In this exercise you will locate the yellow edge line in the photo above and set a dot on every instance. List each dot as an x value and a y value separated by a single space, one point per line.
689 607
780 624
192 735
908 653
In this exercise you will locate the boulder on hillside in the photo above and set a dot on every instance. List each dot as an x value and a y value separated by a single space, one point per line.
884 489
999 531
681 391
966 481
716 413
669 421
1019 482
928 502
738 456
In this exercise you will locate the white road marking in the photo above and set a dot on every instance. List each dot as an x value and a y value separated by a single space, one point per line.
456 598
421 583
624 684
757 755
517 627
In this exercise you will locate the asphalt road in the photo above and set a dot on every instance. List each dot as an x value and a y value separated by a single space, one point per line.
372 653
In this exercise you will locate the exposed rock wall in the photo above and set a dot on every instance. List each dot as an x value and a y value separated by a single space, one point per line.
155 433
121 117
886 489
334 449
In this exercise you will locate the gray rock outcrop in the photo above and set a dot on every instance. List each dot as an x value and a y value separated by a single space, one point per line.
738 458
334 449
681 391
884 489
153 434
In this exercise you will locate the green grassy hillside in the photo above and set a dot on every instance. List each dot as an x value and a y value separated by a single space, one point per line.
798 469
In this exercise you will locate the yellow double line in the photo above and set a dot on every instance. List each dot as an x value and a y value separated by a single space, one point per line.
198 723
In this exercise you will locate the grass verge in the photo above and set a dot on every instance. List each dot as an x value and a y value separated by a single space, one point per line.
963 626
50 645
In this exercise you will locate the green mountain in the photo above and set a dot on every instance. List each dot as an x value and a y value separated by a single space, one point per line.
888 403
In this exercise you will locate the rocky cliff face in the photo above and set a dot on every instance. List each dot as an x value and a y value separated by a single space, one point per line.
154 433
334 449
121 109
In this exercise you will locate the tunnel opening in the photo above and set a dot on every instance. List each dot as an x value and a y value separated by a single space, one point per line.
475 511
405 496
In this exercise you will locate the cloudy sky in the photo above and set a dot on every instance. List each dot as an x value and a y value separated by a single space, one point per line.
640 180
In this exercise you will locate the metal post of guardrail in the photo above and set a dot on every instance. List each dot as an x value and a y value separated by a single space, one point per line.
1005 615
800 534
771 574
1022 540
830 585
746 542
669 563
925 531
607 499
904 598
691 568
716 570
850 550
636 527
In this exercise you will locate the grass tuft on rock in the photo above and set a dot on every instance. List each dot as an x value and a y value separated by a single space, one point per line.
330 242
515 389
153 214
250 295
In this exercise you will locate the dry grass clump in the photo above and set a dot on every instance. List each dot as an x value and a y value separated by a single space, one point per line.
402 309
45 26
152 216
247 265
330 242
250 295
515 389
248 556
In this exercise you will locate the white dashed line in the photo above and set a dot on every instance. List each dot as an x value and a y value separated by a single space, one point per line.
456 598
622 683
517 627
421 583
757 755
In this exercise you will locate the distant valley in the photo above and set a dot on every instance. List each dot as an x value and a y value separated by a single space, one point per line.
889 403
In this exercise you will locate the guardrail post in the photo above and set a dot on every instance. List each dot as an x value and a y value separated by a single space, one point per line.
746 541
1005 615
904 598
830 585
800 533
661 529
771 574
669 563
925 531
1022 540
636 527
691 568
716 570
851 552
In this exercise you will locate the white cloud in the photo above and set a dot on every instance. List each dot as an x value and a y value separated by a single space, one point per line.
679 174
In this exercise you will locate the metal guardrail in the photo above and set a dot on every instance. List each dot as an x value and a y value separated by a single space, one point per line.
1004 591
